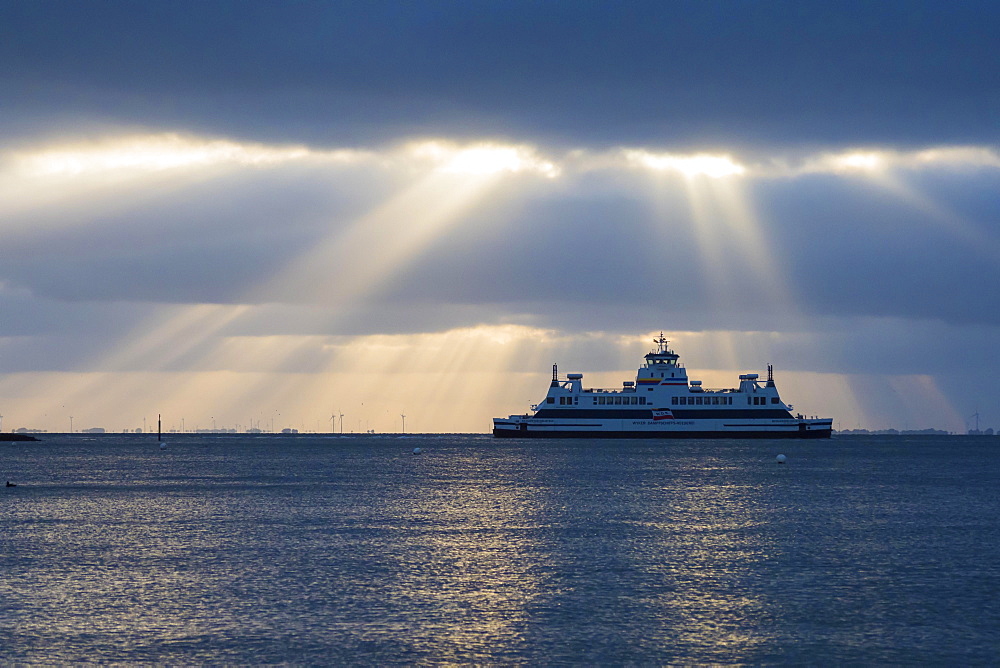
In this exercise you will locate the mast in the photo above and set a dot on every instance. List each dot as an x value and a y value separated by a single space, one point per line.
661 343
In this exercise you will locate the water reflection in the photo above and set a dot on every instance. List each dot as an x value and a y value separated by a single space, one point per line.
711 555
313 550
468 555
461 561
656 554
107 553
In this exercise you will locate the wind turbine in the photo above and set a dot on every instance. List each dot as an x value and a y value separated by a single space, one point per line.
341 423
404 422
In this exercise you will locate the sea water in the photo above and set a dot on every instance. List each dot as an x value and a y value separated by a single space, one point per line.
339 549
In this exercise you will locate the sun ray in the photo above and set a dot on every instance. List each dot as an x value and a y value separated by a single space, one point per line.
121 172
725 224
374 248
378 245
887 169
937 216
350 264
188 356
924 403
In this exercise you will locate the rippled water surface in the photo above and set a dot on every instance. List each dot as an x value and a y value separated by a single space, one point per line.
315 549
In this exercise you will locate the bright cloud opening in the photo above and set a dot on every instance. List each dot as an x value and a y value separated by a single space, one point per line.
857 161
958 156
700 164
483 159
877 161
154 153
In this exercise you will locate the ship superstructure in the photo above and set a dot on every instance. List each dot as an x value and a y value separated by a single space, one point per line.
662 403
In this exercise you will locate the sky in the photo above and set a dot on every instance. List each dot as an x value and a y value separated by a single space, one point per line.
274 214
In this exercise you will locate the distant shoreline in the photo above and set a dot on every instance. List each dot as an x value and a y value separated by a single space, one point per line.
907 432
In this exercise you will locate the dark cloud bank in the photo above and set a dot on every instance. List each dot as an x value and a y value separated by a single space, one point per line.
683 73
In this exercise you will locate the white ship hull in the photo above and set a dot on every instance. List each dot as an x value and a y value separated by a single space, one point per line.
529 427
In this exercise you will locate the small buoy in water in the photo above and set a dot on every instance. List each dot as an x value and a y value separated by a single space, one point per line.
163 446
417 451
780 459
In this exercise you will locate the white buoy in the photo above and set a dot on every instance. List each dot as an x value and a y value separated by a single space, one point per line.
780 459
417 451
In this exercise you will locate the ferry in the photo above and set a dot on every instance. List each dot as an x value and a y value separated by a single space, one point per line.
662 403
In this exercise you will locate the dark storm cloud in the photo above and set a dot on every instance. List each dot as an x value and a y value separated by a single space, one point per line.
688 73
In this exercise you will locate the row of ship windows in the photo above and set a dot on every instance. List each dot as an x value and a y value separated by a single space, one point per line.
676 401
716 401
701 401
600 401
620 401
